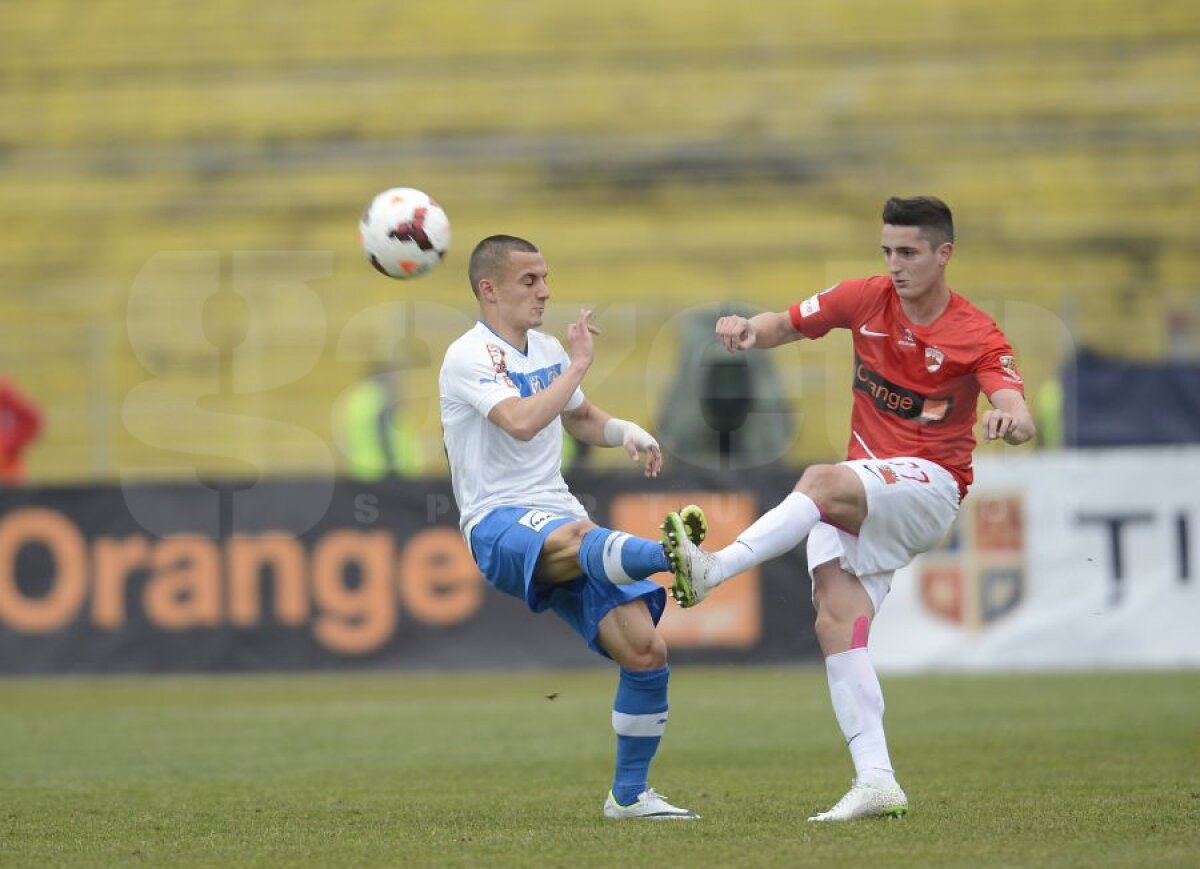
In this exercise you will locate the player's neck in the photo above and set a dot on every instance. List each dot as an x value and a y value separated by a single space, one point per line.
927 307
515 336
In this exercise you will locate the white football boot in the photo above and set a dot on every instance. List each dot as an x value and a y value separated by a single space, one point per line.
865 801
695 570
650 805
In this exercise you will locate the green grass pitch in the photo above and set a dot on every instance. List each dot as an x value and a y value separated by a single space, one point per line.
485 770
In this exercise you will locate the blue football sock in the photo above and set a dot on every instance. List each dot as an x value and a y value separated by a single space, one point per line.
639 718
619 557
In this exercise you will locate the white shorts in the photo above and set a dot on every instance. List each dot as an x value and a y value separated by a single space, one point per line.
911 504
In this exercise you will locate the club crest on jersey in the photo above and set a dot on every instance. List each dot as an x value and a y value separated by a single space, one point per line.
500 364
934 358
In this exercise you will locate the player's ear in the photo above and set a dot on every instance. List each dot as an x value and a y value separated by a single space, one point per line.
487 290
944 252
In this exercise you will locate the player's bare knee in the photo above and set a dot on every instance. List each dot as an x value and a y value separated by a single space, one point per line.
647 652
573 534
559 558
829 627
838 494
654 653
818 482
564 541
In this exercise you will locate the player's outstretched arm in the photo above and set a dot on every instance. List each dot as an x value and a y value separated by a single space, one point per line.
762 331
592 425
1010 419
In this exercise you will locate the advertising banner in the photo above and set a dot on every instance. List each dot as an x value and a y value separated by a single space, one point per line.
1058 561
310 574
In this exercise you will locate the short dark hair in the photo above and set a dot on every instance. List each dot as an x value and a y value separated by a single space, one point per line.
490 256
928 213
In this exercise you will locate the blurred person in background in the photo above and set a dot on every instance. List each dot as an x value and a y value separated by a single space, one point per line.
922 355
20 425
507 392
376 436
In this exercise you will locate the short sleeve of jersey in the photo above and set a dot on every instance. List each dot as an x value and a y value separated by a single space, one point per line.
997 368
471 376
829 309
577 396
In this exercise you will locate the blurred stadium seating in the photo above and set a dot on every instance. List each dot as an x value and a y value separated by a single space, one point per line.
663 155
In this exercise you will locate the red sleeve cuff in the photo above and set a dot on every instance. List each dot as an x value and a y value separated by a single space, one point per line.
794 316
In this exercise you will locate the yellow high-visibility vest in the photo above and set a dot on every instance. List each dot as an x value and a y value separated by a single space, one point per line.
376 443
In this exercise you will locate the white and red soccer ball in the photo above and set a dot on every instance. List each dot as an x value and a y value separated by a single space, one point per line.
404 232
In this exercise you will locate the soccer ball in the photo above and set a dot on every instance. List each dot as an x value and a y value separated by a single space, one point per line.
404 232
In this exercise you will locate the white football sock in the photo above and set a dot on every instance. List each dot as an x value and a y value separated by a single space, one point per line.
779 530
858 705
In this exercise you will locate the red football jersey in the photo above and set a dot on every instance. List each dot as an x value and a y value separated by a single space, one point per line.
915 387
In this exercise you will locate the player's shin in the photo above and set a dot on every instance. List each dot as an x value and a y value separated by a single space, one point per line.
774 533
639 718
858 705
619 557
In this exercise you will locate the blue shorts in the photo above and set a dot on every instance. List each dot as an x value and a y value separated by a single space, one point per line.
506 545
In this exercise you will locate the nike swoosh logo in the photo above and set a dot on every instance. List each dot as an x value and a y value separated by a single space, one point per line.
863 330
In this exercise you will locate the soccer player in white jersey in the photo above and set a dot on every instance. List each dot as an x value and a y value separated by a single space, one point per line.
507 391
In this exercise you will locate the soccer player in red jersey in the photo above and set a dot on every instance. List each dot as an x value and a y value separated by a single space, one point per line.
922 356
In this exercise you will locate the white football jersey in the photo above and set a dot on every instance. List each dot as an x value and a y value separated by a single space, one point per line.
488 467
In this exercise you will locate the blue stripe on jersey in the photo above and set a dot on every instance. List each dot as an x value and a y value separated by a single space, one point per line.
530 382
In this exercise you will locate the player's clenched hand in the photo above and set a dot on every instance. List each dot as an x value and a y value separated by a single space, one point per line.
579 338
736 333
998 424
